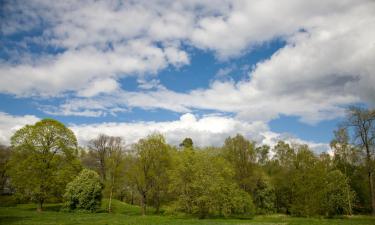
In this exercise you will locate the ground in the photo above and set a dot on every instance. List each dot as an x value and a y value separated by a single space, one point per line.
127 215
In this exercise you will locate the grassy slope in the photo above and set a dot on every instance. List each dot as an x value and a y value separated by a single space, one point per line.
127 214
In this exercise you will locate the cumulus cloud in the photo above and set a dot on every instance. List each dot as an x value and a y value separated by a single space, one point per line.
10 124
326 63
208 130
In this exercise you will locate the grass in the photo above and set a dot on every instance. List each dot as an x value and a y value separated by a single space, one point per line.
129 215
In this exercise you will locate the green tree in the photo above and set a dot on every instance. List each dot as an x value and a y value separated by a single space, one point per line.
5 153
241 154
264 195
43 161
187 143
344 158
149 169
362 123
204 185
114 167
84 192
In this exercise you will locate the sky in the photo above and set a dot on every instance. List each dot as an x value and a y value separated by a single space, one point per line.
270 70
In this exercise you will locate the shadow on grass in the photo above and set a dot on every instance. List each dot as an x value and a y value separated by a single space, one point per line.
46 208
13 219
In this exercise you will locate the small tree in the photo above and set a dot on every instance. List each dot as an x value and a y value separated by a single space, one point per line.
84 192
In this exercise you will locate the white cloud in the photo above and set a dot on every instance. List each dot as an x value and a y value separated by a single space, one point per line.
99 86
209 130
327 62
205 131
10 124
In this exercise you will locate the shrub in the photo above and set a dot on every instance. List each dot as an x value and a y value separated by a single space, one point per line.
84 192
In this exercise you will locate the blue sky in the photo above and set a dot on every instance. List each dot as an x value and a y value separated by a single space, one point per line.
269 70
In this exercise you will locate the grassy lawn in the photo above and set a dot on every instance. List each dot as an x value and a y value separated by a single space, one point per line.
127 214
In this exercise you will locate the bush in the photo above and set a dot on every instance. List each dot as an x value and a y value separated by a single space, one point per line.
84 192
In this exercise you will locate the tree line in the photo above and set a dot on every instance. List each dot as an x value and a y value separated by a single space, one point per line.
45 164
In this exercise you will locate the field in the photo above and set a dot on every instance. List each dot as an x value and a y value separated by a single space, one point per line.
129 215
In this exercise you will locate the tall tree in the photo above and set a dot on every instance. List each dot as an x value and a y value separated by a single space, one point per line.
362 122
343 157
43 161
241 154
99 150
149 168
114 166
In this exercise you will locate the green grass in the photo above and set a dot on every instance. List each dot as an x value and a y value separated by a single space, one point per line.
127 214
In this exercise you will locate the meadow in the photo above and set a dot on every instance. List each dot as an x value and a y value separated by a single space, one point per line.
130 215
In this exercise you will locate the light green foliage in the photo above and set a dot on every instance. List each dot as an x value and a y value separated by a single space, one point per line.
149 169
43 161
241 154
84 192
204 186
316 189
337 196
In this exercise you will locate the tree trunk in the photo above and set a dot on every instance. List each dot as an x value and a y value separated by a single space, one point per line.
143 203
372 191
39 207
370 175
350 211
132 197
110 200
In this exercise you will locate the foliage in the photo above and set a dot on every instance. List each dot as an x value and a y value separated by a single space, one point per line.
84 192
44 159
5 153
204 186
149 169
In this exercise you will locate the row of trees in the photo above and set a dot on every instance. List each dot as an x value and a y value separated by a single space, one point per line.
239 178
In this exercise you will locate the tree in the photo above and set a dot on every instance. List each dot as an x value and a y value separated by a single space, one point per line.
344 155
99 149
84 192
5 153
114 166
203 185
264 195
149 169
262 154
187 143
362 122
44 159
241 154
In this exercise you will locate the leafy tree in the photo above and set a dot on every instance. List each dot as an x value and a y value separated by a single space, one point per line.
84 192
204 185
344 158
262 154
241 154
114 167
43 161
98 151
264 195
5 153
362 122
337 195
149 169
282 166
187 143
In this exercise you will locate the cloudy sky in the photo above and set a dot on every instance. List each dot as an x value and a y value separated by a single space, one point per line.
267 69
